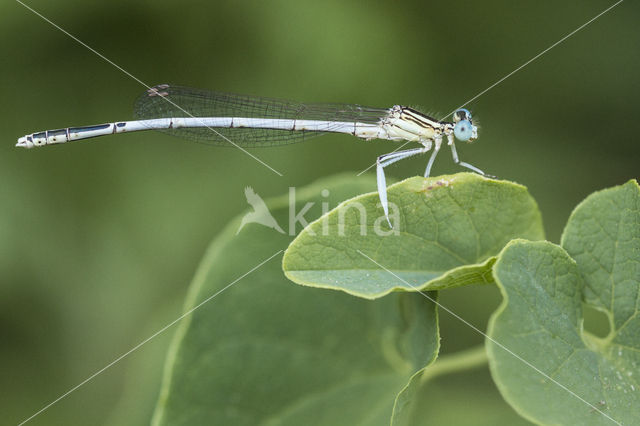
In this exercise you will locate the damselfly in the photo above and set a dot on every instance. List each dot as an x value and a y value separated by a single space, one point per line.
226 119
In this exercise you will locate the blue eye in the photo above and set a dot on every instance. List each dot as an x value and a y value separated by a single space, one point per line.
463 130
461 114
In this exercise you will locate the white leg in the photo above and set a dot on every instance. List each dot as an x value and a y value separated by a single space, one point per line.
382 162
433 156
462 163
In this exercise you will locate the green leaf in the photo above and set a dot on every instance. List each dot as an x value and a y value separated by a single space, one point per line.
447 229
266 352
603 237
541 361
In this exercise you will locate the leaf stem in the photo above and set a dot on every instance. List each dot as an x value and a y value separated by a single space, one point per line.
459 361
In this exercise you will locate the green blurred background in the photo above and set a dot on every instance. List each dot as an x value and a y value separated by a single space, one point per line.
100 239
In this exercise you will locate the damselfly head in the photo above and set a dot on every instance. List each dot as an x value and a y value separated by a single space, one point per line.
464 130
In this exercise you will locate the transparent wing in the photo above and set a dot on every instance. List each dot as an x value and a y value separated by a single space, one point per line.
164 101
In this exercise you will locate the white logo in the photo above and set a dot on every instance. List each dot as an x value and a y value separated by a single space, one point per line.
260 213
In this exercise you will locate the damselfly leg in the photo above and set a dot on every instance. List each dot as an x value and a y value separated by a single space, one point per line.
436 148
388 159
456 160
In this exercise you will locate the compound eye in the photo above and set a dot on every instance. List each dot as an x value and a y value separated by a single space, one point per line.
463 130
461 114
